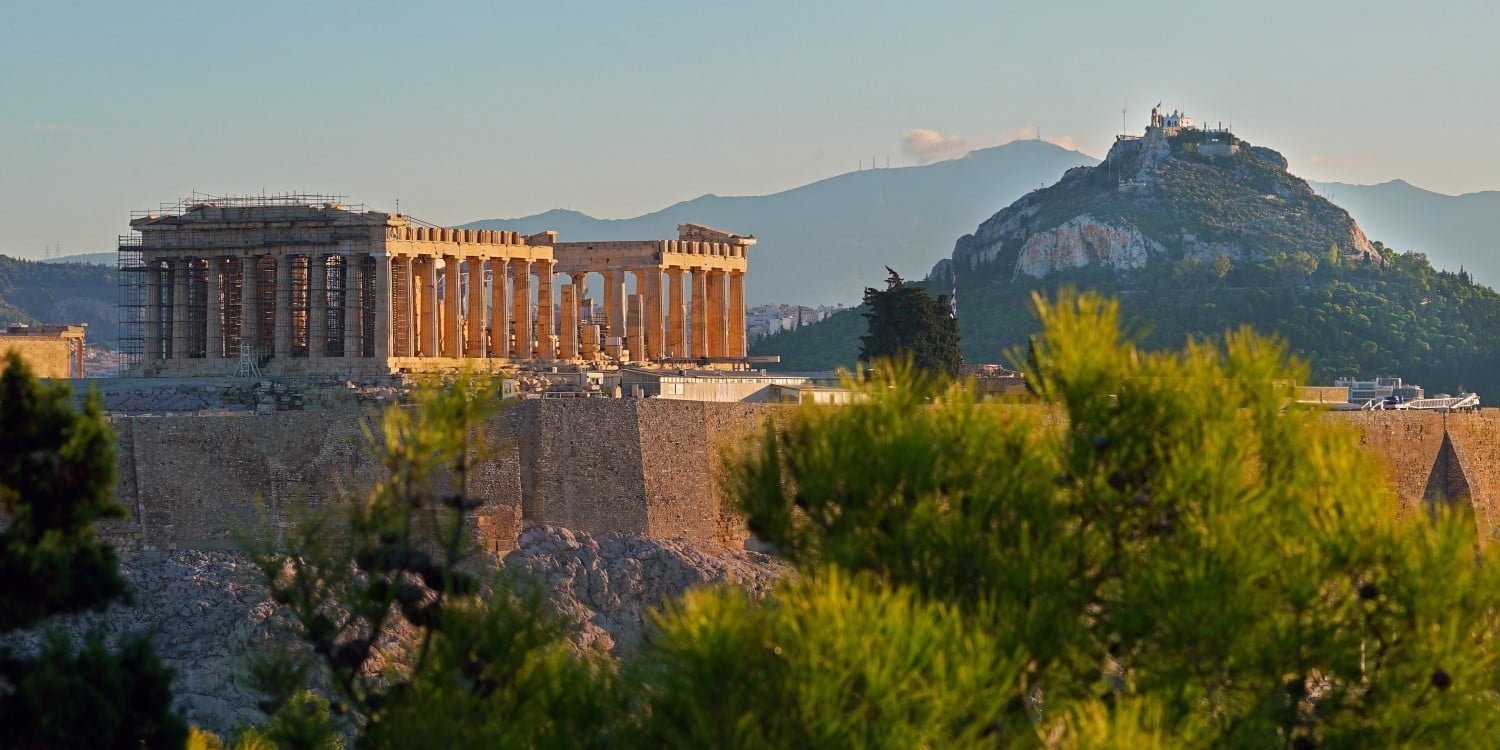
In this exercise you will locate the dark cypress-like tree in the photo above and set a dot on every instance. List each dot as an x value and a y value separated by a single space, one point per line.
57 472
905 321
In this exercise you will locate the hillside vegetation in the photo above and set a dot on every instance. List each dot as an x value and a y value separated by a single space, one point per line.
35 292
1404 318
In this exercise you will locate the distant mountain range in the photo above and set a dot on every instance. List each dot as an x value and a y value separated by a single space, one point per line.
825 242
1454 230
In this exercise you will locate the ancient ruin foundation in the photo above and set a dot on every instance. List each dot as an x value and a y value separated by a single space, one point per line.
300 284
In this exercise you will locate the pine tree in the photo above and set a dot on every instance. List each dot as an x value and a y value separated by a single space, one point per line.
57 470
905 321
1177 558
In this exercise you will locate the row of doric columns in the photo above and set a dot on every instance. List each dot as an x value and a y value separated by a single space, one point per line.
212 307
674 313
482 308
427 306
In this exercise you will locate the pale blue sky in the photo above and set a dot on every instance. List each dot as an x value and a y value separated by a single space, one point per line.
476 110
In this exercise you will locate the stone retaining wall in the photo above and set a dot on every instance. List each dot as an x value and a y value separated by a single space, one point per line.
596 465
643 466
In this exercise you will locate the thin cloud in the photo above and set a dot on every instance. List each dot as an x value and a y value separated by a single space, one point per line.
57 127
925 145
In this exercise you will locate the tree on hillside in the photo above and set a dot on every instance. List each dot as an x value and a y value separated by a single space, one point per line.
57 470
903 320
482 664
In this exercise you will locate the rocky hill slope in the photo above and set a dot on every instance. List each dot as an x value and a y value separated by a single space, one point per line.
1193 245
209 611
1161 198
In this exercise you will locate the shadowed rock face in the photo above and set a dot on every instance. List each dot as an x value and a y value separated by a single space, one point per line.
209 611
610 583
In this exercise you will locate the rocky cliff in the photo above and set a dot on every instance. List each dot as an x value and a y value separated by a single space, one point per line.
208 612
1166 196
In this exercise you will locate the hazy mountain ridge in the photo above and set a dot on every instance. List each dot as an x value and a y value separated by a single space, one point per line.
818 243
1160 198
1454 230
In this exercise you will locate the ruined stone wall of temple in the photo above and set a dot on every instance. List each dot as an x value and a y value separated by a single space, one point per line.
47 356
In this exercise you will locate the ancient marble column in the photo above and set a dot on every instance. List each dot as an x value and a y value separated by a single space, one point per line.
213 339
614 303
521 310
635 329
176 324
546 322
154 347
453 344
474 321
382 332
317 306
429 307
717 317
350 336
353 312
737 314
499 308
700 313
567 337
676 315
655 338
405 307
283 339
249 303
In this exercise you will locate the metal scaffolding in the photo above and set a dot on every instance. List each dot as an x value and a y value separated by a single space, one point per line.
135 301
367 306
332 297
300 304
230 289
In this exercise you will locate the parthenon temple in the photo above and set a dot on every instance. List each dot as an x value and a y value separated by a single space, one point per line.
302 285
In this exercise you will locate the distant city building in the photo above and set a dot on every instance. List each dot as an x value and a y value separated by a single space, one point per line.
994 380
1378 389
746 386
767 320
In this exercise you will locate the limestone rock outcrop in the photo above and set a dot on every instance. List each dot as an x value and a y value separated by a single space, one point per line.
206 612
609 583
209 612
1167 195
1085 241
